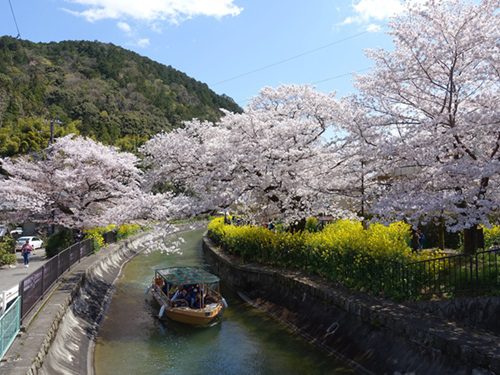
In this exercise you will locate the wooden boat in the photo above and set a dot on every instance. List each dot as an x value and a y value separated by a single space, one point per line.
188 295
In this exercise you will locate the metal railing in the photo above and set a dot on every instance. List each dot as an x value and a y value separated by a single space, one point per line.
10 323
33 287
456 275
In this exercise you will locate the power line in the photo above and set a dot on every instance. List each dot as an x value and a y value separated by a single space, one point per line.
339 76
15 21
329 79
290 58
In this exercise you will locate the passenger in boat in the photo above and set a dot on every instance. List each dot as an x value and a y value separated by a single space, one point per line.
164 289
180 297
193 291
159 281
197 302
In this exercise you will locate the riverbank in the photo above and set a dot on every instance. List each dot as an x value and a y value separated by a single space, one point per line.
381 336
58 334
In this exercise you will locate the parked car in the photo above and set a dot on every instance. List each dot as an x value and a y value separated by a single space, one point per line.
33 241
16 232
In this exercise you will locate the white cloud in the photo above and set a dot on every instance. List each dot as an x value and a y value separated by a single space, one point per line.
366 12
143 43
173 11
378 10
373 28
124 26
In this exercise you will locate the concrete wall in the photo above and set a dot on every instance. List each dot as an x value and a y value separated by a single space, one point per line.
380 336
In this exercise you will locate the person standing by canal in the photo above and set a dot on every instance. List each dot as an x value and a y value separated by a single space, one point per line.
26 253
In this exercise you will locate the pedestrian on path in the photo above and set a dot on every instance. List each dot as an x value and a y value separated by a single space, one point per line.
26 253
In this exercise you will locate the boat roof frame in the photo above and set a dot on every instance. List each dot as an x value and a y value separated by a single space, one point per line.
186 275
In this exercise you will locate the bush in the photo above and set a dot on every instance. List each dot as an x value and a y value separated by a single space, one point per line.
364 259
491 237
123 231
127 230
312 224
58 242
95 234
7 251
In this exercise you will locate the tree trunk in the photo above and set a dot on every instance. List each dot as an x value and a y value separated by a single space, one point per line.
441 230
298 226
473 239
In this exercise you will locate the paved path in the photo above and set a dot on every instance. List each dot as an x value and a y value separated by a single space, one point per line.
11 276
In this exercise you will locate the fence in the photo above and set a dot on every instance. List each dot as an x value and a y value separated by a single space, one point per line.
33 287
6 297
456 275
10 323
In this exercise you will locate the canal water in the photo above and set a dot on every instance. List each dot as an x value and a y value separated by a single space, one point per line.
133 341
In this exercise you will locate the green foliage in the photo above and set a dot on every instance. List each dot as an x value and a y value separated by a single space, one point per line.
29 134
123 231
117 96
127 230
377 260
491 237
95 234
343 252
7 250
59 241
312 224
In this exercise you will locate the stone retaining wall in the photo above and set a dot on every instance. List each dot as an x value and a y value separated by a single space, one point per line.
381 336
474 312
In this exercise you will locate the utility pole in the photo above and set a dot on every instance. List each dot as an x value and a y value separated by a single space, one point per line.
52 121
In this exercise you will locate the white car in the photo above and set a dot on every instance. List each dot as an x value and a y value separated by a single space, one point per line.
18 231
33 241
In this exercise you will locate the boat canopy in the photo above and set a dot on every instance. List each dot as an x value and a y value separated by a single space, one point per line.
187 275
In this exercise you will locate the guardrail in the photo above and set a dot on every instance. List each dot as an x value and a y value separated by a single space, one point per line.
10 323
456 275
6 296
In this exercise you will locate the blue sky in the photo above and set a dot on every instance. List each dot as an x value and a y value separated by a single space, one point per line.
216 40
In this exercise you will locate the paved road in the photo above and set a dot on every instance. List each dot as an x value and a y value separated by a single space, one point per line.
11 276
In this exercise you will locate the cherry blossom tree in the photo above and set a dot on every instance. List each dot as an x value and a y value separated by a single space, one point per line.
76 182
433 101
272 160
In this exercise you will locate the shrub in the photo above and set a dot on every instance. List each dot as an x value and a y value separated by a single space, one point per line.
127 230
7 251
365 259
95 234
312 224
491 237
123 231
58 242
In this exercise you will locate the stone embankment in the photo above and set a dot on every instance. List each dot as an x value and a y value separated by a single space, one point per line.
375 335
59 334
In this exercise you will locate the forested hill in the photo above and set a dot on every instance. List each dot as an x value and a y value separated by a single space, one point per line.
101 90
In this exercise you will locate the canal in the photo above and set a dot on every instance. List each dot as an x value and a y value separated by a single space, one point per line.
132 340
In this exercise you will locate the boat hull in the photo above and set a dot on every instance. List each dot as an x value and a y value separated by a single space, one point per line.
194 316
188 315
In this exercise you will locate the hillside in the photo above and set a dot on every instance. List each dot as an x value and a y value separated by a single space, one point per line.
97 89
